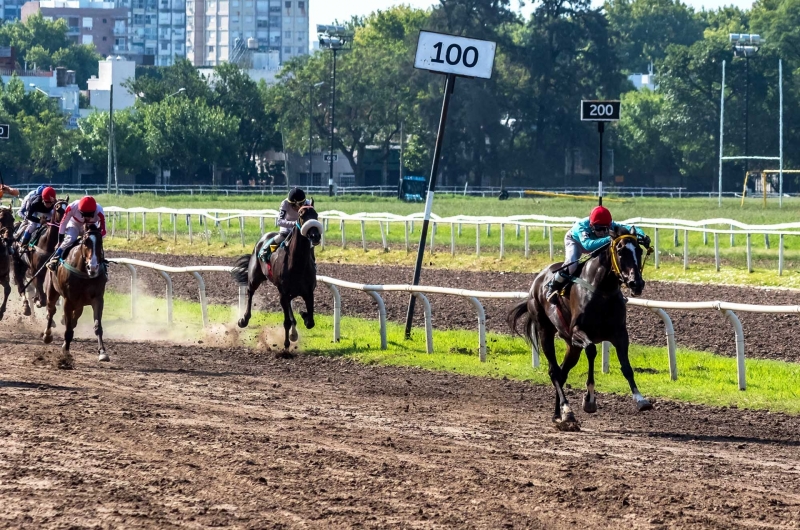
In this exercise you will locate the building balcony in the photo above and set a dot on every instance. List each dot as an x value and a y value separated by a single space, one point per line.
120 32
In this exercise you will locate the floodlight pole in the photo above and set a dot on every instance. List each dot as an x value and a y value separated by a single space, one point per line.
780 132
333 118
721 131
601 127
449 86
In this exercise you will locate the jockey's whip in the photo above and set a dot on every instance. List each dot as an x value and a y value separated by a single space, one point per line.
584 258
40 270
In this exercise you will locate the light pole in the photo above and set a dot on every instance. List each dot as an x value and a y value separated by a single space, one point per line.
180 91
746 45
311 127
334 38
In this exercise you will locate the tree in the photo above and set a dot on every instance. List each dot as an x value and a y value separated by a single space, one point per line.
185 135
153 84
647 27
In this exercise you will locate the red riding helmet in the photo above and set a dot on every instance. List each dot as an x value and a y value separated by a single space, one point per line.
600 216
49 194
87 206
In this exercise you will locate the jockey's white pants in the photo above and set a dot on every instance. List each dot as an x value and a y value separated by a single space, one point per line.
573 252
71 234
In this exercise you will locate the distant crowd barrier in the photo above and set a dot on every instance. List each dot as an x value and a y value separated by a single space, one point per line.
375 191
473 297
202 222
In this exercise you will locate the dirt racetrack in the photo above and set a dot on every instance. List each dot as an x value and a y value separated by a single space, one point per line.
765 335
170 435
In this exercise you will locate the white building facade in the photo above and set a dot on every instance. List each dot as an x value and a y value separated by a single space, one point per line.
279 29
157 30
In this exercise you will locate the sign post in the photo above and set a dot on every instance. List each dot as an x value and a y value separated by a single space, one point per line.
601 112
454 56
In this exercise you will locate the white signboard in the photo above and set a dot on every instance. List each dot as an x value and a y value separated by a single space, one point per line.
450 54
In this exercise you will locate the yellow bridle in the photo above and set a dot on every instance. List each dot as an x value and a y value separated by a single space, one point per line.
615 259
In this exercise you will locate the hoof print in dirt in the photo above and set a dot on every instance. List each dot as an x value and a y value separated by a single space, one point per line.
65 362
567 426
284 354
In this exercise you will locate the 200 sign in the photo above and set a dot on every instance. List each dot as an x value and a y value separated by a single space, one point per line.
455 55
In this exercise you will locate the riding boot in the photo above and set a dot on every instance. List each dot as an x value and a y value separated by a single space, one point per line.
53 263
556 284
26 238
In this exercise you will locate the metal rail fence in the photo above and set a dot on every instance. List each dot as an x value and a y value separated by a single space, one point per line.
473 297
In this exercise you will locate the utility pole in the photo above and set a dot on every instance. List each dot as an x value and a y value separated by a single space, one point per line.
402 145
110 137
333 119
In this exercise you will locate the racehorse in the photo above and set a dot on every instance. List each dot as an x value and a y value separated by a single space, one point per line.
81 281
592 311
291 268
33 262
6 240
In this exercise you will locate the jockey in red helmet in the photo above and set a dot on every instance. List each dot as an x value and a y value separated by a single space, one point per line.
78 215
586 236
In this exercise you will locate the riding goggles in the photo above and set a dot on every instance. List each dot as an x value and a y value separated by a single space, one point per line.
601 229
298 203
86 215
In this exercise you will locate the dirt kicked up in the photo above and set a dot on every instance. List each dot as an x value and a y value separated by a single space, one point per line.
170 435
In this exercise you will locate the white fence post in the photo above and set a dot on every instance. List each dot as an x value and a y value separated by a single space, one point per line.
780 255
452 239
478 240
606 356
344 239
716 250
201 287
685 249
168 281
749 254
550 242
527 242
737 328
502 241
363 237
408 248
656 252
381 316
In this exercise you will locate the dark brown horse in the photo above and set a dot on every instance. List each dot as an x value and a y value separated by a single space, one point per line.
291 268
591 312
30 262
6 240
81 280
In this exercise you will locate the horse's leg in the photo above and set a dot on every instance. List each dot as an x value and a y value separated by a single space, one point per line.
288 318
19 279
52 299
562 413
589 400
72 314
6 294
254 279
97 313
621 344
38 284
567 419
308 314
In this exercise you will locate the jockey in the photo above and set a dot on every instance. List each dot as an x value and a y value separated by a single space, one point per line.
78 214
287 220
586 236
29 197
35 208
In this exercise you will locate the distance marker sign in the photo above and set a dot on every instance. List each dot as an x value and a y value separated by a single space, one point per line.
450 54
600 110
4 132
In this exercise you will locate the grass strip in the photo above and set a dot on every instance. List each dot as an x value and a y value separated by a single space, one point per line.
703 378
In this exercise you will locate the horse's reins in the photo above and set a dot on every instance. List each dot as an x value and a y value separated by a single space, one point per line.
614 259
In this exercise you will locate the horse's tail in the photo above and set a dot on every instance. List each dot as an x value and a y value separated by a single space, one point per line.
520 313
240 269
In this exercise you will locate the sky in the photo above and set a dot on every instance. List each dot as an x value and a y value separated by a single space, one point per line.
326 11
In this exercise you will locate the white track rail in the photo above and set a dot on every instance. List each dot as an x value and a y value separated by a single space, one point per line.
202 222
658 307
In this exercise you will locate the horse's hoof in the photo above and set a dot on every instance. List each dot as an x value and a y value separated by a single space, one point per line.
310 325
242 323
47 339
644 405
568 425
26 310
103 357
293 336
65 348
589 407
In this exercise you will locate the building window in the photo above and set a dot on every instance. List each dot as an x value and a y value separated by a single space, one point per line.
287 34
301 5
287 50
300 50
87 22
274 9
104 21
210 49
86 39
119 42
288 5
104 39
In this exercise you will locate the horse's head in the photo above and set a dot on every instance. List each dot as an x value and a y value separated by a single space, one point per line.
310 226
59 208
92 251
6 218
627 259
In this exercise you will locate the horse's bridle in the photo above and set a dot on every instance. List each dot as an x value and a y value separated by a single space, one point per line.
615 259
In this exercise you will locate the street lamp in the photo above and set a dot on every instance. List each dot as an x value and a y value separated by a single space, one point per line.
180 90
334 38
311 127
39 89
746 45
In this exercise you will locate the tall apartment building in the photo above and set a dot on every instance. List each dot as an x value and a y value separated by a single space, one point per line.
157 30
11 10
279 27
88 22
